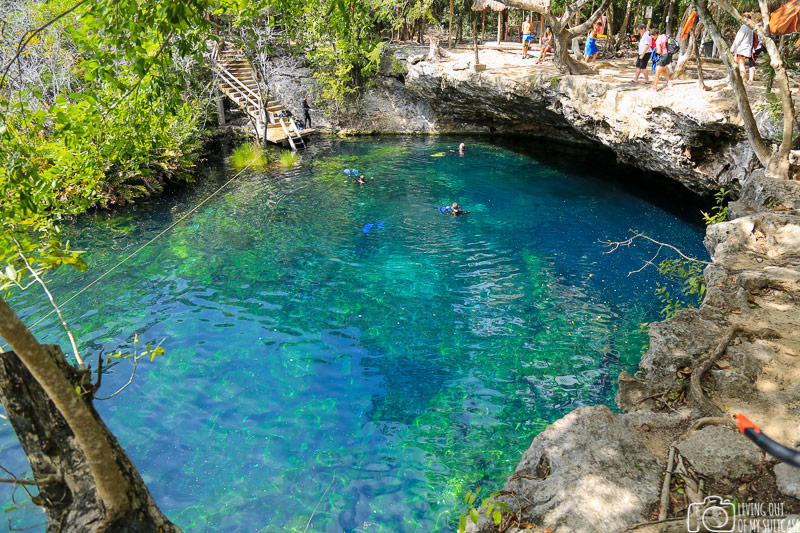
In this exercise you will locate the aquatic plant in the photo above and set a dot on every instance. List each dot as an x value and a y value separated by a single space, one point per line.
249 155
288 159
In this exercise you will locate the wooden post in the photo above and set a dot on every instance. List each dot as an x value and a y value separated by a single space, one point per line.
483 26
541 29
220 107
477 67
499 26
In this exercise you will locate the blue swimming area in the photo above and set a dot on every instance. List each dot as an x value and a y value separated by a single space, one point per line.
370 378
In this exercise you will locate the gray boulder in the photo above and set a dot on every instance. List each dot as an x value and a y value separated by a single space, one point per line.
717 452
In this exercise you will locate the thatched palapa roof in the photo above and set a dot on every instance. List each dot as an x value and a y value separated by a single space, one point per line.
494 5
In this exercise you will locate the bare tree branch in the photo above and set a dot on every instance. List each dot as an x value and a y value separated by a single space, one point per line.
53 303
130 380
615 245
31 34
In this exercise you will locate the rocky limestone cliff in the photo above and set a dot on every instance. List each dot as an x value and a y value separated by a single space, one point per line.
690 135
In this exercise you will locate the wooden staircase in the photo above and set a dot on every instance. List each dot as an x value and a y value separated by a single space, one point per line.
237 79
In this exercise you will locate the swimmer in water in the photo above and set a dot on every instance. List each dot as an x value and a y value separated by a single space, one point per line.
461 149
455 210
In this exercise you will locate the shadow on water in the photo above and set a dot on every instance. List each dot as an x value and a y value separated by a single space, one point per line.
598 163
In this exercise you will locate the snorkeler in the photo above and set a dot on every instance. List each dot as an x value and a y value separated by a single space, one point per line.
355 177
454 210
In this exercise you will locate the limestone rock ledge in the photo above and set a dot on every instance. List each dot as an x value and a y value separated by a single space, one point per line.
690 135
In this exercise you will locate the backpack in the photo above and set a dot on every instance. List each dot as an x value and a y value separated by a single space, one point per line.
673 47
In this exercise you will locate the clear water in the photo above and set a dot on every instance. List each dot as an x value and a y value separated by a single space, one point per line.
370 378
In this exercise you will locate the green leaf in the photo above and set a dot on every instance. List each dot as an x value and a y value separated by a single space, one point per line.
462 523
498 517
473 514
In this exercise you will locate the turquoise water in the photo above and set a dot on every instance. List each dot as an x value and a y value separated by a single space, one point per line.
368 378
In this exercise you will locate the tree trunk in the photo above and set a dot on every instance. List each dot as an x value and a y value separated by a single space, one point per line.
760 148
777 164
450 30
623 29
683 58
610 28
701 83
499 26
670 13
88 432
67 489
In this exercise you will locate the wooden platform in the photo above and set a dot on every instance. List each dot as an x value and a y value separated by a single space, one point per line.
239 81
278 136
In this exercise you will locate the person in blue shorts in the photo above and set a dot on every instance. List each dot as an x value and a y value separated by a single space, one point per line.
591 43
527 36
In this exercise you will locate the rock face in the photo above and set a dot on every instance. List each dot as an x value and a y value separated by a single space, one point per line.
690 135
717 452
579 469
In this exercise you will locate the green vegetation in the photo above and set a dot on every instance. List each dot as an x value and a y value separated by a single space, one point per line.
287 159
693 285
721 209
249 155
494 509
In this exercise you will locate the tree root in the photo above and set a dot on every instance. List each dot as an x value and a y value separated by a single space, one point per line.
700 368
662 512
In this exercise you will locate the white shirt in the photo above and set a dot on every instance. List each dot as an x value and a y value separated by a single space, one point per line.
644 43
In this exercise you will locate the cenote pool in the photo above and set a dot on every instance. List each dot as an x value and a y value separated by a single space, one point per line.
370 377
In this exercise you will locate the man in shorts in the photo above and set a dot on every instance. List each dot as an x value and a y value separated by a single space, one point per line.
645 48
665 58
527 36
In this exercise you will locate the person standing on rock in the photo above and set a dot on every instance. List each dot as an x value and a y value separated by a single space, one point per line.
527 36
306 114
645 47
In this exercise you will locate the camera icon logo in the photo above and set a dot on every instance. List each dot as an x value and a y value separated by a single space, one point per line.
715 514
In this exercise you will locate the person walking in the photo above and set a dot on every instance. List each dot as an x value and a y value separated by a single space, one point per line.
306 114
591 43
664 59
645 48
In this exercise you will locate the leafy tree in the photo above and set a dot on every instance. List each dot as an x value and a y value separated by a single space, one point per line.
562 32
776 163
58 149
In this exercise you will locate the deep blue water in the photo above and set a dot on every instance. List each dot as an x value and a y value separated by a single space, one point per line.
373 376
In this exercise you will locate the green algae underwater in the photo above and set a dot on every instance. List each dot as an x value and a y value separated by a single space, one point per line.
348 354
